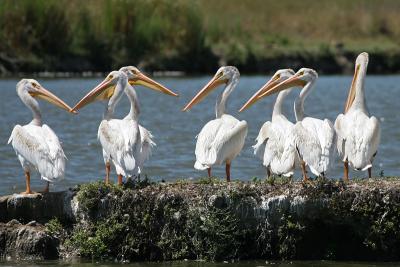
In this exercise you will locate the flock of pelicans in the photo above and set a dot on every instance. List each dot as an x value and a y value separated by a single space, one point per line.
281 144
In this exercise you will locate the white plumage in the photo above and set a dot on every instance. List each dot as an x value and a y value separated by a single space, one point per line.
358 133
314 140
38 148
220 141
275 141
35 144
358 138
275 146
120 140
125 143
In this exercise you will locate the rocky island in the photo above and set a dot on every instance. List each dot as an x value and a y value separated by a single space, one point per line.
208 220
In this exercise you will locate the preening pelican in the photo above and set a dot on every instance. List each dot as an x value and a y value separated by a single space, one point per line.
358 133
222 139
35 144
314 138
125 143
275 145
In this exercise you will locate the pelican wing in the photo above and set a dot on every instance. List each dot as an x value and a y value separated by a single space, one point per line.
220 140
362 139
146 147
40 147
340 125
119 139
261 140
314 140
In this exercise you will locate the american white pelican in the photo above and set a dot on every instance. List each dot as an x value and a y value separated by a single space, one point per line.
358 133
222 139
35 144
314 138
125 143
275 145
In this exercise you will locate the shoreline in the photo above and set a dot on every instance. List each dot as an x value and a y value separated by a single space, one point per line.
329 63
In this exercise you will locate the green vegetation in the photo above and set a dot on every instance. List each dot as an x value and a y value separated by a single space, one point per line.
197 35
211 221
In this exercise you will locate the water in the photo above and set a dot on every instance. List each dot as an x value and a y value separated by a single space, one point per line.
174 131
203 264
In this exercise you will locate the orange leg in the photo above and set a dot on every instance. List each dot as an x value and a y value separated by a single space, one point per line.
304 171
209 172
346 171
108 168
370 172
28 184
228 171
119 179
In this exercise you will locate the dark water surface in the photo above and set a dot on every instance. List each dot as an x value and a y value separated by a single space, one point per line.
174 131
204 264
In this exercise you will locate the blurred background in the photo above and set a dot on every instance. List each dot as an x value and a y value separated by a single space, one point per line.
196 36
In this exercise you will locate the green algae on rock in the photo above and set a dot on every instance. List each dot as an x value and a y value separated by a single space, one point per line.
212 220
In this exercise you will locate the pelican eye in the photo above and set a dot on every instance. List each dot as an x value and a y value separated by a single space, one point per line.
110 77
278 76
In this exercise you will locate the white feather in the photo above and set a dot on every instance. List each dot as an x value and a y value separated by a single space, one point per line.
219 141
120 140
38 148
314 140
358 138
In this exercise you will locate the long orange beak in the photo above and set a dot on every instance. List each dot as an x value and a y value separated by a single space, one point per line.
50 97
293 81
269 85
352 91
142 79
212 84
102 91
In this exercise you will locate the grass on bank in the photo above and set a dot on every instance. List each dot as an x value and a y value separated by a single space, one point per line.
193 35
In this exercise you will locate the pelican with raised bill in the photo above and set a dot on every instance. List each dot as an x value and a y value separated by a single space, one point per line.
275 145
221 139
358 133
35 144
314 139
125 143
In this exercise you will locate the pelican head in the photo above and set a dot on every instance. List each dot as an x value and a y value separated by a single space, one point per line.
224 75
106 90
136 77
29 89
278 77
360 66
302 77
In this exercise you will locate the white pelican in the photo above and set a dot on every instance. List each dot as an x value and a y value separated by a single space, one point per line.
275 140
222 139
358 133
314 138
125 143
35 144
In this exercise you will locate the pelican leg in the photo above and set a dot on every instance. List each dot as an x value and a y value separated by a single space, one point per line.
304 171
209 172
370 172
346 171
268 172
228 171
119 179
108 168
28 184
